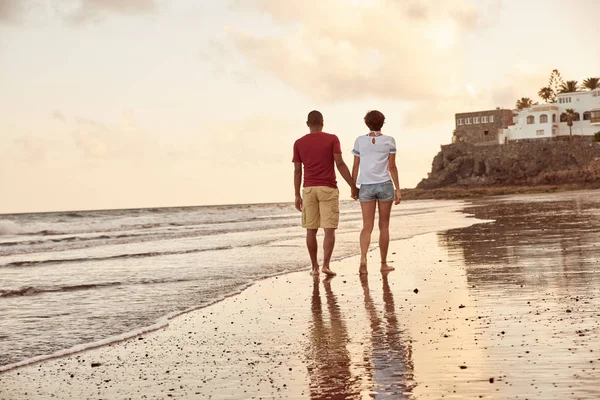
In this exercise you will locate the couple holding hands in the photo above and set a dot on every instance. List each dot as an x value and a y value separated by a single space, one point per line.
374 170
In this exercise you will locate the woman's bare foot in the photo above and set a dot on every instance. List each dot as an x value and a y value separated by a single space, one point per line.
315 271
386 268
328 272
362 270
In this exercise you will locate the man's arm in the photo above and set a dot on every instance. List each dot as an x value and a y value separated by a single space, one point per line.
394 172
297 183
345 172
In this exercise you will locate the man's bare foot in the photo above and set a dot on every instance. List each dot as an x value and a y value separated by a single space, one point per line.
362 270
328 272
386 268
314 271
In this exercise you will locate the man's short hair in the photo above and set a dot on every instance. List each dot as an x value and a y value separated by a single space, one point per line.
315 118
374 120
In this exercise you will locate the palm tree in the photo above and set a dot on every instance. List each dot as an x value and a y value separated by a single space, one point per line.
569 116
569 87
546 94
524 102
591 84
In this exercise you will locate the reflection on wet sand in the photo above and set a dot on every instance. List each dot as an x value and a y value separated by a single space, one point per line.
328 358
542 243
391 368
385 367
534 274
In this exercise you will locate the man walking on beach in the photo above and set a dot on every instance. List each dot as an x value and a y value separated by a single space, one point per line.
319 202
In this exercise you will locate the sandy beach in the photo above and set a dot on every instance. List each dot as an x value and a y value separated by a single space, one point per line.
501 310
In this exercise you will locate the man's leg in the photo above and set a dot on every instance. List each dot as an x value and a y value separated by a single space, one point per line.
368 214
329 210
311 221
313 247
385 210
328 245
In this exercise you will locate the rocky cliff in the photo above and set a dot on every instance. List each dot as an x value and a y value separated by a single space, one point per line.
532 163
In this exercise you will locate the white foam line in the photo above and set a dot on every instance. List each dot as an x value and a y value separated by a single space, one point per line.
159 324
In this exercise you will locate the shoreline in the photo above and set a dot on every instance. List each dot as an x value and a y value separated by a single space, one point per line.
482 310
160 323
222 337
164 320
165 323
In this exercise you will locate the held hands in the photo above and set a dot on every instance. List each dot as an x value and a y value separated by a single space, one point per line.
354 192
299 202
397 197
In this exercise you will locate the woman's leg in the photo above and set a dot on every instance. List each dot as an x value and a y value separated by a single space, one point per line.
385 210
368 214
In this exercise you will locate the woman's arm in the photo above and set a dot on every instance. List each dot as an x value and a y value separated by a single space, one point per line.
394 172
355 170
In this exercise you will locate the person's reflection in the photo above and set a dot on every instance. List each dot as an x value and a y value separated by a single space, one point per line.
328 357
391 369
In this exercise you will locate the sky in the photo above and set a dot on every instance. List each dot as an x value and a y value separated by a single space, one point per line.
150 103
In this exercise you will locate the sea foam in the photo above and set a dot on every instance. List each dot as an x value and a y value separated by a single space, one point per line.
158 324
9 228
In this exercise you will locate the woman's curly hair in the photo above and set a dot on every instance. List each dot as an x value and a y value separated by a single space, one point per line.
374 120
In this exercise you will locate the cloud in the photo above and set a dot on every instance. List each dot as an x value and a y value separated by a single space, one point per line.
10 10
31 149
222 60
258 139
83 11
387 49
58 116
76 11
520 81
97 140
524 81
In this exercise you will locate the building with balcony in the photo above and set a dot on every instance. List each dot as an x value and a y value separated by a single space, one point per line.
548 121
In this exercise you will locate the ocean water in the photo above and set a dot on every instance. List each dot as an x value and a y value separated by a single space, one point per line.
69 280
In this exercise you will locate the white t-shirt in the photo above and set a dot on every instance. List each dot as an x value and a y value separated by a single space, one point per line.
374 158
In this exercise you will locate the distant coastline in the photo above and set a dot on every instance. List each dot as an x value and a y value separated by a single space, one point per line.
449 193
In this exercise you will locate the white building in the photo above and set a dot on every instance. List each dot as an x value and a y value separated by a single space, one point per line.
547 120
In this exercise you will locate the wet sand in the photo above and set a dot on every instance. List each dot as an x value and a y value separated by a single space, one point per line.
502 310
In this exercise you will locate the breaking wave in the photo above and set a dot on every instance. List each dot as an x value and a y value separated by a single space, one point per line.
133 255
31 290
9 228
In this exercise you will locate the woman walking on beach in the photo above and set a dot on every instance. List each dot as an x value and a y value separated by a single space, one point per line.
375 156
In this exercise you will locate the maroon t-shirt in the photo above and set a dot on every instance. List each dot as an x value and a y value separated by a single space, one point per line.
316 151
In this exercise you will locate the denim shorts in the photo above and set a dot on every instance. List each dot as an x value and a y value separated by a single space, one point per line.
376 191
